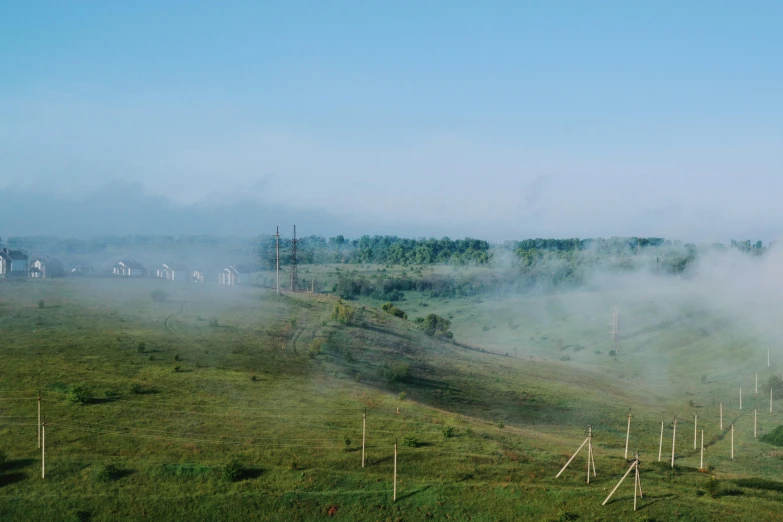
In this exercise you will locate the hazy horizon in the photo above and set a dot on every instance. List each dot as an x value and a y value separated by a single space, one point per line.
499 122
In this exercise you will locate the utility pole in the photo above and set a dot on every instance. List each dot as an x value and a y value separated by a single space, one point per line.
39 418
394 498
277 257
43 449
615 331
294 274
364 430
674 437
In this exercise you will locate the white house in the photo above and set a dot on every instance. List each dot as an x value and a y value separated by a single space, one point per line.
128 269
14 263
173 272
197 276
229 276
41 268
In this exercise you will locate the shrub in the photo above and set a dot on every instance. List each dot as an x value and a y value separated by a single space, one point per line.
501 425
612 352
411 441
142 347
397 372
435 326
448 431
214 322
347 442
233 470
403 395
774 437
177 368
79 394
343 313
41 303
253 378
176 357
135 388
107 473
393 310
3 459
315 348
158 296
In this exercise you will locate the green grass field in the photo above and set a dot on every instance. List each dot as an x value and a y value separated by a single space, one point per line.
182 387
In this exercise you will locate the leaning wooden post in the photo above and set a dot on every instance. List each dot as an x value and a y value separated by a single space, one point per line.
572 458
695 430
757 383
674 437
43 449
618 484
394 498
590 452
660 446
628 433
732 441
701 461
364 431
721 415
770 399
740 397
39 419
754 423
635 483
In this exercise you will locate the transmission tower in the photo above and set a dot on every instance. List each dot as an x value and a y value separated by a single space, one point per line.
294 275
616 331
277 258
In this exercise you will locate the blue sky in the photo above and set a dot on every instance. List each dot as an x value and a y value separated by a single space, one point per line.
500 119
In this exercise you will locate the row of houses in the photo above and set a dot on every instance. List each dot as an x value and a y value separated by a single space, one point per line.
230 275
16 263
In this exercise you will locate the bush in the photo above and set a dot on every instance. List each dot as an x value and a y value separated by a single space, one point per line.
343 313
347 442
41 303
774 437
403 395
107 473
448 431
501 425
177 368
411 441
159 296
233 470
393 310
3 459
214 322
142 347
135 388
397 372
435 326
315 348
79 394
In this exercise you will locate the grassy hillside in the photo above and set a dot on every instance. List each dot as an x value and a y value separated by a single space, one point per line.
183 386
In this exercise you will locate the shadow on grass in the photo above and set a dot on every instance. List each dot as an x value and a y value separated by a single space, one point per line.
251 473
17 464
648 500
11 478
408 495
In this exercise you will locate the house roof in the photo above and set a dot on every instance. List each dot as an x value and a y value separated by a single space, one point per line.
132 264
175 266
242 269
13 255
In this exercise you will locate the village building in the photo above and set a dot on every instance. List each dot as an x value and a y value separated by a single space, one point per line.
197 276
129 269
173 272
14 263
229 276
44 268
